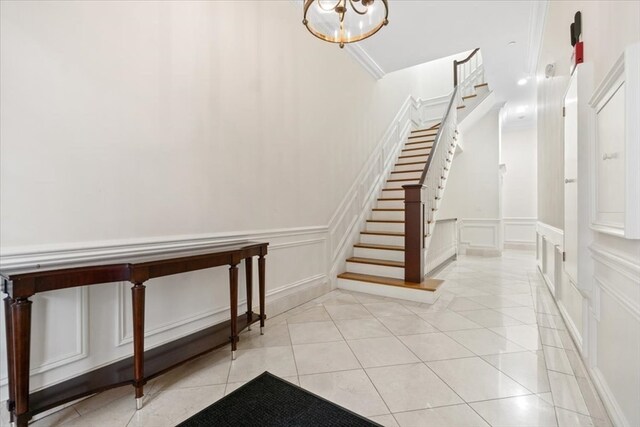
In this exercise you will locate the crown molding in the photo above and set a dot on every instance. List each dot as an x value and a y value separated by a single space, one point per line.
536 31
362 57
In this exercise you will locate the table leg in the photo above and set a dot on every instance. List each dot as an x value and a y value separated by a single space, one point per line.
21 334
11 402
248 264
233 291
261 286
137 303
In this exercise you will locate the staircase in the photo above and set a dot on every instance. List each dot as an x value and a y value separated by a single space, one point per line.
390 256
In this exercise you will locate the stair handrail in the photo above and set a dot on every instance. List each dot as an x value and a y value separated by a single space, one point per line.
418 217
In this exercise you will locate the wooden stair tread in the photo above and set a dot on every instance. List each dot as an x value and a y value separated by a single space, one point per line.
384 233
390 199
461 106
481 85
382 247
413 155
417 149
391 221
403 179
409 171
410 163
469 96
374 261
419 142
388 209
429 285
423 136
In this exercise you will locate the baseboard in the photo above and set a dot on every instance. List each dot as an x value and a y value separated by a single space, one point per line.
613 409
520 246
485 252
441 266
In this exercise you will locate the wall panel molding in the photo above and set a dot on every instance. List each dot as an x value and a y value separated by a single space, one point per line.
519 233
480 236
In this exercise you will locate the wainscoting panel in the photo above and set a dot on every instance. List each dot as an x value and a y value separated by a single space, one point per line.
519 233
605 322
480 236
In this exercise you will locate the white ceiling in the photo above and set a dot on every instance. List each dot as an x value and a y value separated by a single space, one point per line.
421 31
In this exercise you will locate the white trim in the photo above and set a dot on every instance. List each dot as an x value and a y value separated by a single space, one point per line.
551 233
522 222
536 31
613 409
571 326
622 76
624 266
361 56
57 255
482 248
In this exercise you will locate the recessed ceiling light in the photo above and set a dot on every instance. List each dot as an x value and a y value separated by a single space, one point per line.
521 117
522 82
511 43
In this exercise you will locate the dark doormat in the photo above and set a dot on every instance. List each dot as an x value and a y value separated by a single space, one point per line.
270 401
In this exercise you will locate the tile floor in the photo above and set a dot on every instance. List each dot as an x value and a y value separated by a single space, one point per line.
492 351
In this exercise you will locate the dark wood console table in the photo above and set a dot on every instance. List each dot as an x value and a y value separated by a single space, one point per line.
22 283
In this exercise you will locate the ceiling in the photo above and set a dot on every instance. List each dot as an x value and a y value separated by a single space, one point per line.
421 31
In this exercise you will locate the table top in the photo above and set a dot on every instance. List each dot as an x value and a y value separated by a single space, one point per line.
132 260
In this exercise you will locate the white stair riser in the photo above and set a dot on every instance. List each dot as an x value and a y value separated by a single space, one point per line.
407 175
375 270
402 167
422 158
379 254
390 204
394 193
377 239
397 292
399 184
388 215
396 227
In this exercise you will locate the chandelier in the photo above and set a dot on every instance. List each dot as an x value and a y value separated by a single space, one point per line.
345 21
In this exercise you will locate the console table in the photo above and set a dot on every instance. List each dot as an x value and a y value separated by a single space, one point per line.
22 283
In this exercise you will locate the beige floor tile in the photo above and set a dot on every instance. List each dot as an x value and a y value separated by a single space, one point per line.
385 420
526 336
348 311
385 351
250 363
484 341
58 417
557 360
324 357
527 368
566 392
447 416
362 328
313 332
449 321
521 411
171 407
314 314
382 309
489 318
474 379
464 304
407 325
350 389
411 387
436 346
274 336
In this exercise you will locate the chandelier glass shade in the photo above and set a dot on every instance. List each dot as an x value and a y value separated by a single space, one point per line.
345 21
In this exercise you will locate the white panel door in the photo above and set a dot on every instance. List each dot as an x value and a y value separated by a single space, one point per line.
570 179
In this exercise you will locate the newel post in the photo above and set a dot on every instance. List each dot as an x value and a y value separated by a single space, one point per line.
413 233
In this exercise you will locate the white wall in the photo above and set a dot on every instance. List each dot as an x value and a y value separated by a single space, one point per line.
472 192
518 147
146 125
602 310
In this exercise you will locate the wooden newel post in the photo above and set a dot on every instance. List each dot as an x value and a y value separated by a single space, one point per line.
413 233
